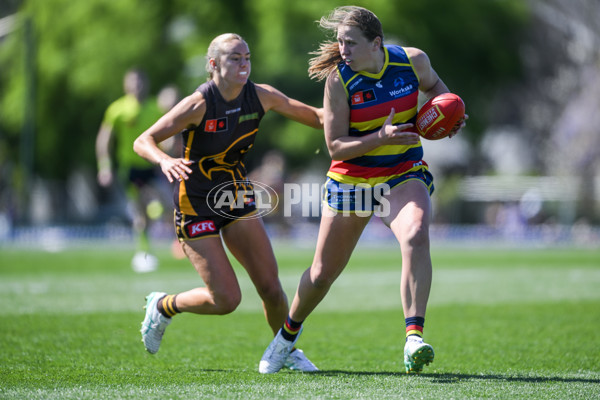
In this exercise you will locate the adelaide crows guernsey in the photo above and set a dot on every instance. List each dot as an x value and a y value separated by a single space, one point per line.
371 98
217 146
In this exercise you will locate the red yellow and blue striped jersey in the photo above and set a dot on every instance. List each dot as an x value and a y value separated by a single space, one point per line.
371 98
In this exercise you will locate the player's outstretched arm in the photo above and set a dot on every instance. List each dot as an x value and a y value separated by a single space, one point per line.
273 99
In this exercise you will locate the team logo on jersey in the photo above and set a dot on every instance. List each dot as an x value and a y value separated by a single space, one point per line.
226 161
364 96
215 125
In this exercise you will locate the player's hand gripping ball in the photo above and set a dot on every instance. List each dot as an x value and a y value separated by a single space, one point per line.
440 116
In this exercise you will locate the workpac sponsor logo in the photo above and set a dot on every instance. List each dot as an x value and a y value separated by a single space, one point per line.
229 198
401 91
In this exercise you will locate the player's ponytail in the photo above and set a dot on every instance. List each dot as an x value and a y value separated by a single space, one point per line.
328 55
327 58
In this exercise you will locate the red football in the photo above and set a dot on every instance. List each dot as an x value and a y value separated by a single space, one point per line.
438 117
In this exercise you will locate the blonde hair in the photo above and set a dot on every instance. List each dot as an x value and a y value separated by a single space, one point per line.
215 49
328 55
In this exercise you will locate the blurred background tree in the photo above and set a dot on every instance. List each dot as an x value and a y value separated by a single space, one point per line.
82 50
62 63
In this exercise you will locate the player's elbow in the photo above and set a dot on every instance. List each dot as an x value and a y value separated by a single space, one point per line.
336 153
317 124
138 146
320 118
317 120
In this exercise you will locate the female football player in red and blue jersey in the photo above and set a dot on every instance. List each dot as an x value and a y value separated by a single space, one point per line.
218 124
370 104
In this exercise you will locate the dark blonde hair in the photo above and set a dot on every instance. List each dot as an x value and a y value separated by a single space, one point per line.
328 56
215 49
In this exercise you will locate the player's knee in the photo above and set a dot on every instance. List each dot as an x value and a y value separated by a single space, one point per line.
417 234
228 303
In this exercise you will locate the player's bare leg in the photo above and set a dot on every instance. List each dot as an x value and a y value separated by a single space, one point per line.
409 219
222 293
338 235
331 256
248 242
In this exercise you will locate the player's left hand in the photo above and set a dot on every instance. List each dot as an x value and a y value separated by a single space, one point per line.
175 169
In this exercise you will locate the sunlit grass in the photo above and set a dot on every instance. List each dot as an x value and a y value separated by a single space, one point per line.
504 324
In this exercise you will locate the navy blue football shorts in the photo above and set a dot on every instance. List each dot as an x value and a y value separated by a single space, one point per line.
365 198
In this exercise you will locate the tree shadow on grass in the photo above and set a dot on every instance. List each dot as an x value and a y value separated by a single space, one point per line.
455 378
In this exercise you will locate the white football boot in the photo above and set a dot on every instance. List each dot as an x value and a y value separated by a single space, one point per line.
276 354
154 325
297 361
417 354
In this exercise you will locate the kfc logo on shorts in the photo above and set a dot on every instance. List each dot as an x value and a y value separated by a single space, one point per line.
215 125
201 227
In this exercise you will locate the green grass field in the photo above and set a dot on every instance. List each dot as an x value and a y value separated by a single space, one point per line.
504 324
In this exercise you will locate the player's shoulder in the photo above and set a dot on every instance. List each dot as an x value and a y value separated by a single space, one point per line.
269 96
334 79
419 59
191 108
415 54
194 101
265 89
335 90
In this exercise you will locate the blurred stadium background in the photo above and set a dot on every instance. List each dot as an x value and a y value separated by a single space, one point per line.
524 172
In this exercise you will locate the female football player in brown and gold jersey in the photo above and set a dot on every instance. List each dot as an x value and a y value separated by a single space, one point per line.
218 124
